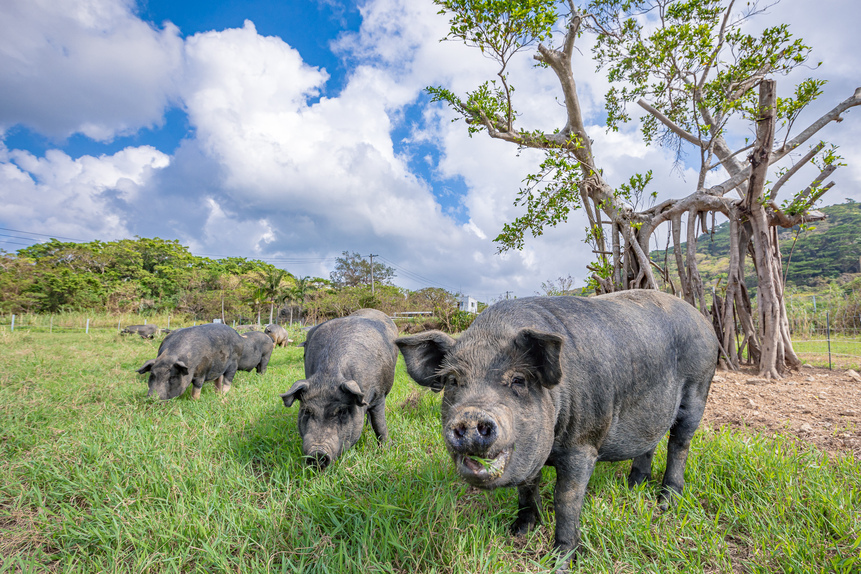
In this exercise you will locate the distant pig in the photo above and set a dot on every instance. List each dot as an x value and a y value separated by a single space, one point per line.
256 352
349 370
568 382
145 331
192 355
278 334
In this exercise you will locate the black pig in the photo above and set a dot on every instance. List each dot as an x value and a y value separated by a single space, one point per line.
191 356
256 352
349 370
568 382
145 331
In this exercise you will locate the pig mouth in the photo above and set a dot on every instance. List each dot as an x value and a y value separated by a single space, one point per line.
482 470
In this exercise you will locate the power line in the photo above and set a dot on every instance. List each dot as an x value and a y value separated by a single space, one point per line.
43 234
415 276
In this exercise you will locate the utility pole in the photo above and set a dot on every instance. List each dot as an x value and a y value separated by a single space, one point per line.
507 293
372 272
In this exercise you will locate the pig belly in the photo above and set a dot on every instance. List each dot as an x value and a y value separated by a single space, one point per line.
633 435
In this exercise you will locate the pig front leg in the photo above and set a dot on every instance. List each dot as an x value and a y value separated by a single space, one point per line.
377 414
227 378
196 387
573 471
529 506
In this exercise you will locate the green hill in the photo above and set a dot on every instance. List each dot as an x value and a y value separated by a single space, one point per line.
824 251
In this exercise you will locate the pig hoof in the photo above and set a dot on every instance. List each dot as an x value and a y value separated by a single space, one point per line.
195 393
225 388
522 525
636 478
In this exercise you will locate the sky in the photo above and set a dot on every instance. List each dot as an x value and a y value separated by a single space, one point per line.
294 130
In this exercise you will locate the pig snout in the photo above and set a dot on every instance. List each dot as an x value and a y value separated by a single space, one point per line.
318 458
472 431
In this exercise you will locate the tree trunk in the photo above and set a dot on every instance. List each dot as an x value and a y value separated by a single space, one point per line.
771 362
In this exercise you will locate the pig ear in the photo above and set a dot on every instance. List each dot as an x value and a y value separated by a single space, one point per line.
543 352
147 367
352 388
423 355
294 393
181 367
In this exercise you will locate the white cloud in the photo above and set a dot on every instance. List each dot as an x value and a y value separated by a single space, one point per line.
87 66
80 198
274 168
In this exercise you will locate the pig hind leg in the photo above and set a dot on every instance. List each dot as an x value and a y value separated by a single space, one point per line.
641 469
377 415
688 418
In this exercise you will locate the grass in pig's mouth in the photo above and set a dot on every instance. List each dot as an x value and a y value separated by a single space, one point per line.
488 468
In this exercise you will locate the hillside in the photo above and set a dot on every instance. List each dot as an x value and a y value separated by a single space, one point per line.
824 251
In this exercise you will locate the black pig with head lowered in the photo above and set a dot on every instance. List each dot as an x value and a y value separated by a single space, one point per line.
349 370
568 382
191 356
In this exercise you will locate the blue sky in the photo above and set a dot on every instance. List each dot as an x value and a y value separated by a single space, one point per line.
294 130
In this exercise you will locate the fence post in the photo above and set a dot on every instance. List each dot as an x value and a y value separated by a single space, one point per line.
168 321
13 323
87 330
828 332
144 321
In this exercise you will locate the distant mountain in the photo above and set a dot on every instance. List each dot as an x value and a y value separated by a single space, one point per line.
826 250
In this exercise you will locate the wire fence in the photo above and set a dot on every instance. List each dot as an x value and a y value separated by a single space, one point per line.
818 337
81 323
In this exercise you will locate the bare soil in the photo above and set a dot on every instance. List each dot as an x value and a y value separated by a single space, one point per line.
814 405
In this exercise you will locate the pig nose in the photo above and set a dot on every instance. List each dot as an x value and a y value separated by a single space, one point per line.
319 459
472 432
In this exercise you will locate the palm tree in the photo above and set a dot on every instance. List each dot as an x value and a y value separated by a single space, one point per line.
272 283
300 291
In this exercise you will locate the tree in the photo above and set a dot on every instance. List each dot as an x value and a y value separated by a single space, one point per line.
697 75
301 289
273 285
560 286
352 270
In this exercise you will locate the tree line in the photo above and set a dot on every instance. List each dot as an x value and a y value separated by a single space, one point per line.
154 275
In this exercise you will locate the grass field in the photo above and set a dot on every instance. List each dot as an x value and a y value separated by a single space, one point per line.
95 477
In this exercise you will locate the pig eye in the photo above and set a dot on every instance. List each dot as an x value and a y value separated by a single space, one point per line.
451 380
518 384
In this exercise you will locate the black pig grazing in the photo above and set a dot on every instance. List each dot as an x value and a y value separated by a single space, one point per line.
256 352
145 331
191 356
568 382
349 370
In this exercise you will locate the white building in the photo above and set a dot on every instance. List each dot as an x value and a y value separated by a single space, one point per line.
468 304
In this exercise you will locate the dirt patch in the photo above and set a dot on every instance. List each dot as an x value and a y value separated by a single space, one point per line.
815 405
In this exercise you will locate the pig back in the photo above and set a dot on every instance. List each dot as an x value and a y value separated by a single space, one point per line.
207 349
353 348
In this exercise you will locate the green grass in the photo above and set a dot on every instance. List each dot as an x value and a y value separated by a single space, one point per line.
845 351
95 477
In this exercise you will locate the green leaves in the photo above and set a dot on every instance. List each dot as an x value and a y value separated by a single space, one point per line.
693 62
549 197
499 28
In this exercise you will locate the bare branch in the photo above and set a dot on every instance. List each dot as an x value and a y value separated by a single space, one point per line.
794 169
675 128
